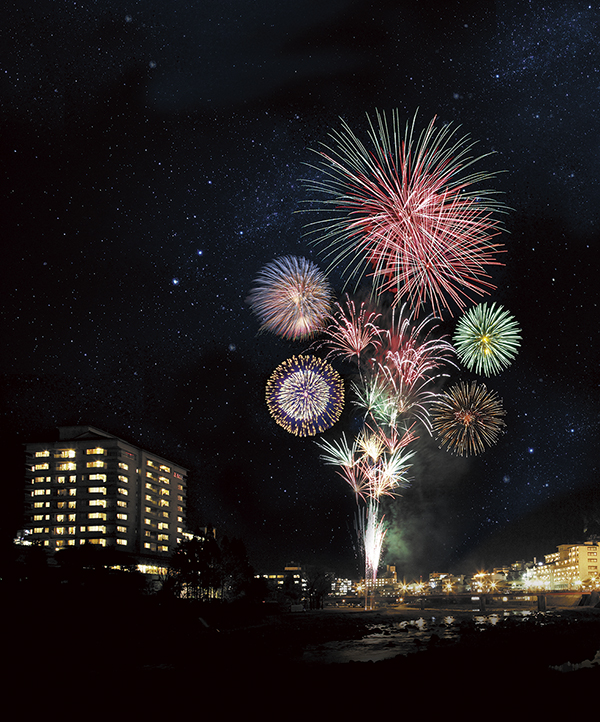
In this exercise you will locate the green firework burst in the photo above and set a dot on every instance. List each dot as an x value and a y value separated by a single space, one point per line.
487 339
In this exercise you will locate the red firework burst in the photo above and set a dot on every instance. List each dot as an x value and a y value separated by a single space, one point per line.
408 209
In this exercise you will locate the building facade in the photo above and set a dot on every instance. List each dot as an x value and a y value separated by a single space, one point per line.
571 567
91 487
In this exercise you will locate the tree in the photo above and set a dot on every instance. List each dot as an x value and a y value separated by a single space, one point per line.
196 567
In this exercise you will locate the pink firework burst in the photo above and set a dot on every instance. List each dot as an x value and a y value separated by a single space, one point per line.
292 298
409 351
410 209
349 333
405 365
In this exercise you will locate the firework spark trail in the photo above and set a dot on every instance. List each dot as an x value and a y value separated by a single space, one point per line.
371 530
467 418
487 339
291 298
410 208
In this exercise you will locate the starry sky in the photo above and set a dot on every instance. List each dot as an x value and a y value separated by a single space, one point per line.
151 158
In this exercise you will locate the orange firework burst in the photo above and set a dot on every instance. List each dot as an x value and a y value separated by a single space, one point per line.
467 418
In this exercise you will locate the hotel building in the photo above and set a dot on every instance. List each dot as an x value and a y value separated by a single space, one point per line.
568 568
91 487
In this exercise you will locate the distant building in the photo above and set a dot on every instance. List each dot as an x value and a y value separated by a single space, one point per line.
571 567
91 487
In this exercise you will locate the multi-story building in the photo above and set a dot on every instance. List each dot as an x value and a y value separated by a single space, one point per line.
572 566
92 487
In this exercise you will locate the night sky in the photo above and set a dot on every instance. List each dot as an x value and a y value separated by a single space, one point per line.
151 157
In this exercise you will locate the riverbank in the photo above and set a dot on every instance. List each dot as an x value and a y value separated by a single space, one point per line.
180 657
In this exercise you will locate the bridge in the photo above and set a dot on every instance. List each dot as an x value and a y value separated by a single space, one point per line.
484 599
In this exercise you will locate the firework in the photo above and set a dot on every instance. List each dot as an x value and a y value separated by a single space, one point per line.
487 339
406 363
305 395
410 208
291 298
467 418
375 465
372 531
349 332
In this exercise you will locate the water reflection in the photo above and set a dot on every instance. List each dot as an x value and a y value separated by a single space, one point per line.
390 639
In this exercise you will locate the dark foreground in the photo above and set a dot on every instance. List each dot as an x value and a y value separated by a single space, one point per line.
175 658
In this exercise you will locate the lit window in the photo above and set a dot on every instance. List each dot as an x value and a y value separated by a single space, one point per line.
72 505
72 530
38 505
177 476
72 492
164 492
96 490
60 517
60 479
62 492
122 478
163 525
67 466
97 450
123 517
97 529
97 515
163 479
163 502
163 537
97 477
164 468
38 517
99 542
39 467
122 529
96 464
98 502
122 542
40 492
123 465
38 530
125 492
72 479
60 530
72 517
163 548
59 543
42 453
121 503
65 454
